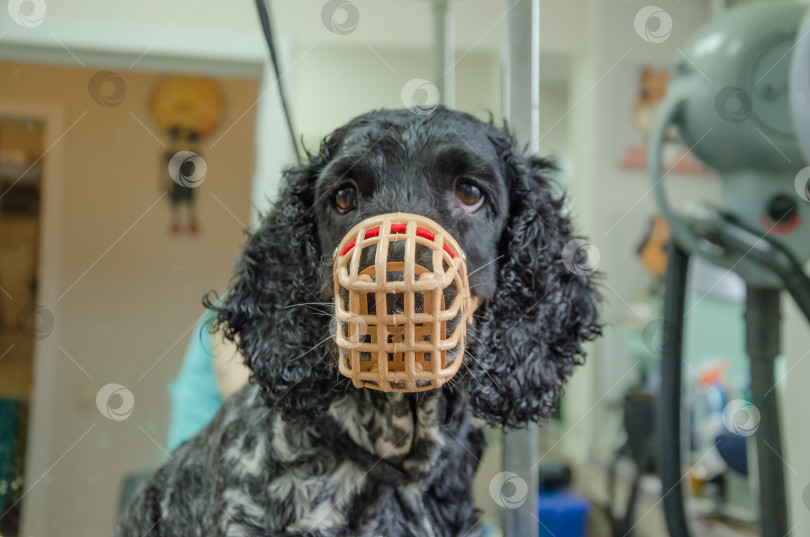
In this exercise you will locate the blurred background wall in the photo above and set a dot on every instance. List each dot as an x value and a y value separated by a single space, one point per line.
128 293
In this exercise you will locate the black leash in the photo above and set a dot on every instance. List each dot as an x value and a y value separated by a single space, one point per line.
264 18
378 468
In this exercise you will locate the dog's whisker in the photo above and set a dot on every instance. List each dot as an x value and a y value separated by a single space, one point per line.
479 341
310 305
307 304
471 371
321 312
484 370
321 342
483 266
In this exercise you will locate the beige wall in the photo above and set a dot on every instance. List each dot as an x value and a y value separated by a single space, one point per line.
333 84
138 289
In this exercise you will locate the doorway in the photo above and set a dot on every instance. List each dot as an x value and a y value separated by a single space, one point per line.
22 320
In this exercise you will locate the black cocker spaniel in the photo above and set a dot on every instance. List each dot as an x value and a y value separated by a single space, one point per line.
300 451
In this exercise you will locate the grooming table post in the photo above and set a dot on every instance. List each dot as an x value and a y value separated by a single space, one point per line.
762 320
521 94
444 51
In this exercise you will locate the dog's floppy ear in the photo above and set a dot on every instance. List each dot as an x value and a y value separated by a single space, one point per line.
268 309
530 334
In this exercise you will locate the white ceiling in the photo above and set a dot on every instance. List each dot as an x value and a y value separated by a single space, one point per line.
207 31
409 23
400 23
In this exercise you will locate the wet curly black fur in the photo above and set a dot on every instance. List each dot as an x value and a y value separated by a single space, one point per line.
303 452
530 335
527 337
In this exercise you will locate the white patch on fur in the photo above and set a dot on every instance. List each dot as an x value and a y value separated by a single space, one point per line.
385 445
253 464
413 494
280 445
289 487
233 499
348 417
429 422
316 500
235 531
326 517
165 506
428 431
339 489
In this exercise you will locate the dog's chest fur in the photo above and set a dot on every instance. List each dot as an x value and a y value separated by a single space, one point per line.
374 465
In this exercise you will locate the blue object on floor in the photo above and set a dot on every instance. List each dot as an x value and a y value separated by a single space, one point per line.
733 448
562 514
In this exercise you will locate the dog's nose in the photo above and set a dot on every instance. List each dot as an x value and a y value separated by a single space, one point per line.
402 199
396 254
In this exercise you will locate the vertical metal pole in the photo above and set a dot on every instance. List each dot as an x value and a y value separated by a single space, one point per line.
670 412
521 71
762 345
521 94
444 51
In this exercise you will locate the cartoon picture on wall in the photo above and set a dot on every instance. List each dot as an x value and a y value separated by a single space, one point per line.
187 109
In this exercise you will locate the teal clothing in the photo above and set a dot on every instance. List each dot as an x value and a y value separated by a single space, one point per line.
195 391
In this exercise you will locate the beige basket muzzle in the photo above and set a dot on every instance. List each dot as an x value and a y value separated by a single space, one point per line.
401 325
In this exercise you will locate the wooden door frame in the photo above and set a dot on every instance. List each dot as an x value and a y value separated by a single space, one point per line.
49 271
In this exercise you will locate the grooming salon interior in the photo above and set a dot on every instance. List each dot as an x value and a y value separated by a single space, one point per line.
142 201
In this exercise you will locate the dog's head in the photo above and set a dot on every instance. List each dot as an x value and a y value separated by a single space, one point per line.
463 174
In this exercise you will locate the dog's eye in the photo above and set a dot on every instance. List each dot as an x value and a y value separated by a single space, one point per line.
468 196
346 198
